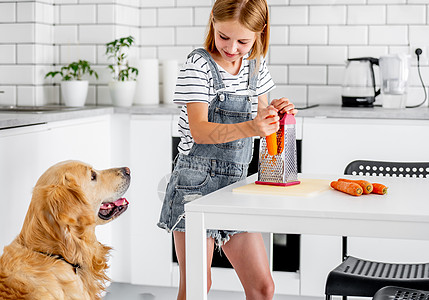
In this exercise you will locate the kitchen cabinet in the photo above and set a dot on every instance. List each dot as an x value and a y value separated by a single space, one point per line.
328 145
26 152
150 163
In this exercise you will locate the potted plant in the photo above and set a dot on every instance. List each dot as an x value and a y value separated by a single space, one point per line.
123 86
73 89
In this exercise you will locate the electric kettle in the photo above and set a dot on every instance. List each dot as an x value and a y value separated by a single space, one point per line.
358 89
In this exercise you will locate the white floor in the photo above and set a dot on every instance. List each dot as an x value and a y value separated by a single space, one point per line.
122 291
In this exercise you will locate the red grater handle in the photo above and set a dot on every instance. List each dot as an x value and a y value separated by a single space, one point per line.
288 119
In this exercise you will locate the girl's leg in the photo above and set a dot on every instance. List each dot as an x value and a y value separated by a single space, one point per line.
179 243
246 252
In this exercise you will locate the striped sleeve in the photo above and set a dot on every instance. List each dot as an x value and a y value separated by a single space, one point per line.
265 82
193 81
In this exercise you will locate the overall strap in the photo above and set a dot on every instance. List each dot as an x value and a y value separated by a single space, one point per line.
217 79
253 76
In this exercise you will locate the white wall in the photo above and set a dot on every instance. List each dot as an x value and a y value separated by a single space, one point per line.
310 41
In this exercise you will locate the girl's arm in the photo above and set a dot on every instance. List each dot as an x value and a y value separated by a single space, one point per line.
205 132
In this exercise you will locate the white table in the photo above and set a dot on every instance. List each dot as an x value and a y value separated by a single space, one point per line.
402 213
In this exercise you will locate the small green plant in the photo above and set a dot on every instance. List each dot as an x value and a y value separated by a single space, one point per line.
74 71
117 51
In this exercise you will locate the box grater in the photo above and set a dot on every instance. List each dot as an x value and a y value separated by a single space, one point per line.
280 169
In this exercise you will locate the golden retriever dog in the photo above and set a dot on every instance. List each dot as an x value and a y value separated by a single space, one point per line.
57 255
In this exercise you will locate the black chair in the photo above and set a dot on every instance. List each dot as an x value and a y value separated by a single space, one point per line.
399 293
359 277
384 168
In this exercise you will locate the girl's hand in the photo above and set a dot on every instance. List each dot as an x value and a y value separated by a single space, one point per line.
284 106
266 121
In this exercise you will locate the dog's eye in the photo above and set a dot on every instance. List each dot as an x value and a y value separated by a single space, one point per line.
93 176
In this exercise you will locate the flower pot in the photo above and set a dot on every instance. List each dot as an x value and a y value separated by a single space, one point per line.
122 92
74 92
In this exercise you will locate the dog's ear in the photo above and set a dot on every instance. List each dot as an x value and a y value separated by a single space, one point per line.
66 202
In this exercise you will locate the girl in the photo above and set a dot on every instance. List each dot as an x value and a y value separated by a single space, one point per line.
223 89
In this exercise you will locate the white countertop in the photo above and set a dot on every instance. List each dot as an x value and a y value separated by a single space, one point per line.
14 119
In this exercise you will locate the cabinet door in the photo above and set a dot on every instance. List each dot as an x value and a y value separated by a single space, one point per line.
150 155
20 167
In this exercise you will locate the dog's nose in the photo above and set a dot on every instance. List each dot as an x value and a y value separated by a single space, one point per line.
126 171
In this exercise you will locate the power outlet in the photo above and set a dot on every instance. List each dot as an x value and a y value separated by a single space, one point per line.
424 61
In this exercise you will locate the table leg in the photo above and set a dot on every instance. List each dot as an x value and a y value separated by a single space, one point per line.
196 256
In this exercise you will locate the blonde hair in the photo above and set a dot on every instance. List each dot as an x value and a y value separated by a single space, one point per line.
252 14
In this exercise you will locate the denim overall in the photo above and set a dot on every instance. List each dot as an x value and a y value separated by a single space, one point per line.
209 167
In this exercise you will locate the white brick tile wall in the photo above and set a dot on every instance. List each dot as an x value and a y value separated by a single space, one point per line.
279 35
366 14
43 33
387 1
330 95
296 93
126 15
148 17
17 33
175 16
287 15
7 12
328 14
288 55
65 34
157 3
388 35
26 53
308 35
158 36
44 13
180 53
17 74
8 97
70 53
278 73
419 35
406 14
96 34
26 12
307 75
46 94
7 54
190 35
103 96
327 55
106 14
336 75
194 2
26 94
361 51
201 15
348 35
77 14
310 40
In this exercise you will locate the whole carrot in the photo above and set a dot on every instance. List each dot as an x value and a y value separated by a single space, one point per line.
379 188
350 188
272 143
366 185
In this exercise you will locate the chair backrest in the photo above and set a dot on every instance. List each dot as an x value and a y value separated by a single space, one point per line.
386 168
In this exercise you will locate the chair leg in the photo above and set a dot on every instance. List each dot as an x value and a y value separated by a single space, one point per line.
327 297
344 297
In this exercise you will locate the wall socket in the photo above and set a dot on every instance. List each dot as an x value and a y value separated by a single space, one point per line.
424 61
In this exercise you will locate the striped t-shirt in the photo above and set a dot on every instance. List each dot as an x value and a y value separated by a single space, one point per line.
195 84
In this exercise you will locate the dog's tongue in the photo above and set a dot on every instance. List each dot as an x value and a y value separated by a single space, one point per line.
119 202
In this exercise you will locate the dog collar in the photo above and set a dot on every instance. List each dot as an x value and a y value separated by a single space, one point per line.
60 257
